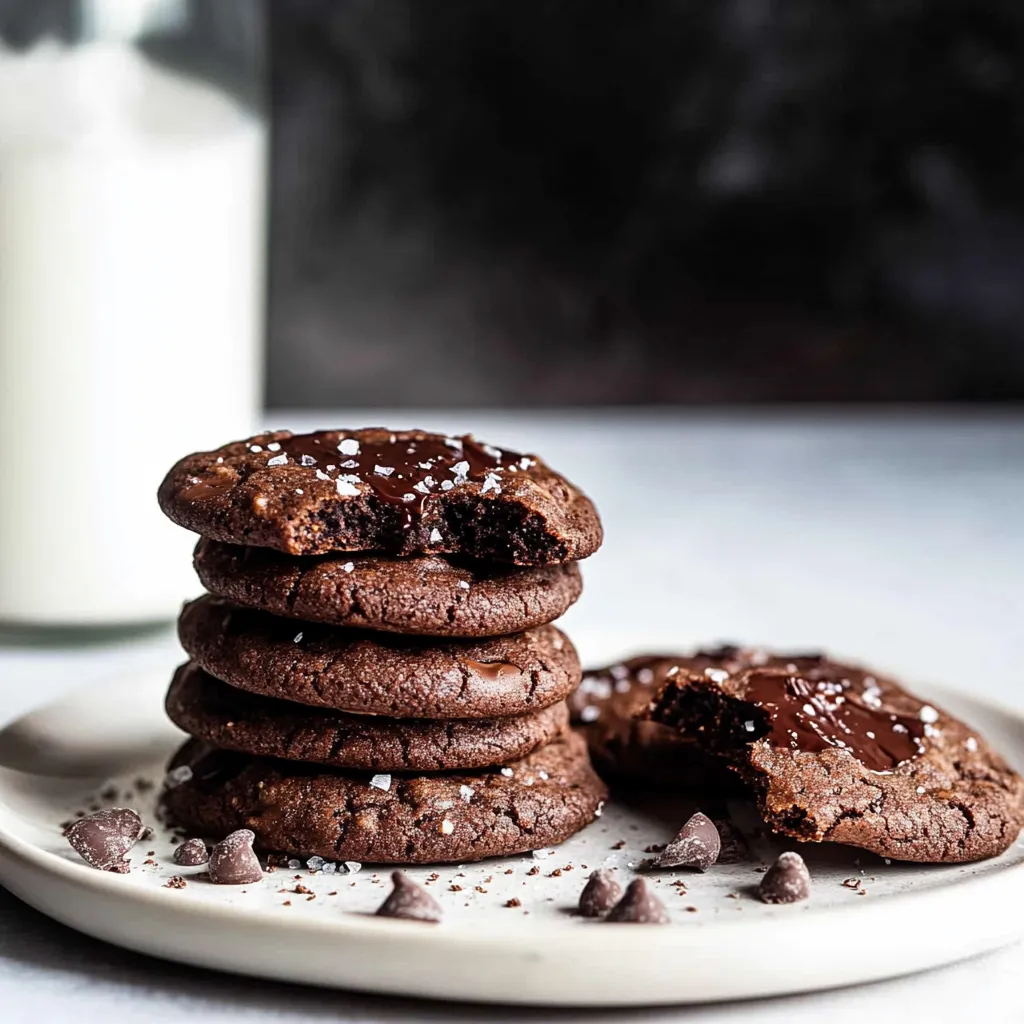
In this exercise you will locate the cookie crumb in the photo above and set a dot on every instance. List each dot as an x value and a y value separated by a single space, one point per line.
175 882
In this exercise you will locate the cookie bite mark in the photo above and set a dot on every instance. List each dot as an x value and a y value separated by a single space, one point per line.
835 753
400 492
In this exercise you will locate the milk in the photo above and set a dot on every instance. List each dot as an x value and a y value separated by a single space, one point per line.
131 295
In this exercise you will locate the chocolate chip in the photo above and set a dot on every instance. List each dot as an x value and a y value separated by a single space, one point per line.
639 906
409 901
191 853
600 894
232 861
786 881
102 840
697 846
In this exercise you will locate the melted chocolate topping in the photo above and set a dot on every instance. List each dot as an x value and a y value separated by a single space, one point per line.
401 471
811 716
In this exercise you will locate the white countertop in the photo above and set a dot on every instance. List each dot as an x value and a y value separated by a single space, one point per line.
897 539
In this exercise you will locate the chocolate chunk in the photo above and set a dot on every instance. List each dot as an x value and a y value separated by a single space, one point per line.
697 846
638 906
409 901
786 881
102 840
232 861
191 852
600 894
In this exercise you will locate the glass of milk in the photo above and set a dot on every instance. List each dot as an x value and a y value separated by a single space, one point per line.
132 213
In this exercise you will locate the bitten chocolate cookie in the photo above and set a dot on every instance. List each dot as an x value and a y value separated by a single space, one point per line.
426 596
379 673
404 492
305 810
232 719
835 753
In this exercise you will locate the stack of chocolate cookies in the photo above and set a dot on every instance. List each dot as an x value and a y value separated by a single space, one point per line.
373 675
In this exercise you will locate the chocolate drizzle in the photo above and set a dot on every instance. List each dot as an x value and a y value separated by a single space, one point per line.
810 716
404 470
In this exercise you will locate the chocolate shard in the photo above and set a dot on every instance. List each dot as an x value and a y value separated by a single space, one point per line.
232 861
639 906
786 881
600 894
103 839
410 901
191 853
696 846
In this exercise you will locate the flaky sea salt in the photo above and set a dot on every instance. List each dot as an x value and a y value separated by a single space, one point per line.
176 776
348 567
928 714
466 792
591 713
346 489
463 585
353 867
435 536
381 782
315 863
350 446
446 827
277 460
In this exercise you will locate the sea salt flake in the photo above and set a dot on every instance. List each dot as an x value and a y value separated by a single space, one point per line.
618 672
507 772
716 675
321 475
329 867
543 775
176 776
408 497
278 460
294 864
460 469
808 709
928 714
346 488
383 470
348 567
920 790
423 487
623 686
466 792
463 585
446 827
453 442
255 448
645 676
971 744
315 863
446 485
298 638
307 460
749 726
591 713
425 465
435 536
381 782
350 446
299 490
353 867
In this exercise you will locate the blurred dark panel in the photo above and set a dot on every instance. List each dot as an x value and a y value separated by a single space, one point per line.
690 201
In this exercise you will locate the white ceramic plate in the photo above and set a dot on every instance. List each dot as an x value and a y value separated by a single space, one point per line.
731 946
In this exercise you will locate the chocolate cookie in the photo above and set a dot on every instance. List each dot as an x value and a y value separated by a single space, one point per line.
404 492
235 720
379 673
306 810
426 595
835 753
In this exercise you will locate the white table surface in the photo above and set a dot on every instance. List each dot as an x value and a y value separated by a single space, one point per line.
896 538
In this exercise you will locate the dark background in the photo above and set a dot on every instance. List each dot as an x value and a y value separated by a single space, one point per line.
505 203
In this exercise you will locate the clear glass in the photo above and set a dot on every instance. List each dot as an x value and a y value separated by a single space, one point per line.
132 237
